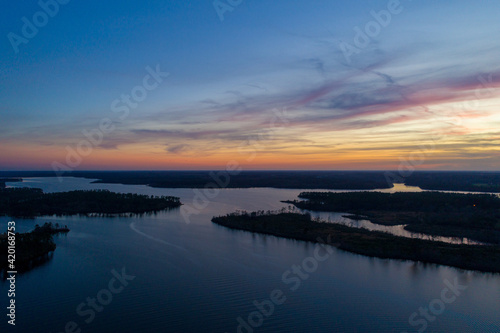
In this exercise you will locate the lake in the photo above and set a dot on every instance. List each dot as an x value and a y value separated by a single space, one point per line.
201 277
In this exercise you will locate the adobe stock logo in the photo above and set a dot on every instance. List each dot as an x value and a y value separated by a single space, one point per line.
121 107
364 36
94 305
420 320
30 28
221 7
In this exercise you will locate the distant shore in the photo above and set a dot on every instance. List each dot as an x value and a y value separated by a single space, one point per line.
469 181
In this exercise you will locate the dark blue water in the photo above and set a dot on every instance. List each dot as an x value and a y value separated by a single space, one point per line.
200 277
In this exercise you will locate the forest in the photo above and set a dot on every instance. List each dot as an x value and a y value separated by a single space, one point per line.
236 179
32 202
30 246
301 226
473 181
475 216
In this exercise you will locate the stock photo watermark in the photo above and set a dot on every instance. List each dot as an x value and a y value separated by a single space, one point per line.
408 165
420 319
88 309
292 278
364 35
11 265
222 179
223 6
121 107
30 28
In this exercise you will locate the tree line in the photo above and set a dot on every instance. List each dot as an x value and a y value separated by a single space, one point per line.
30 202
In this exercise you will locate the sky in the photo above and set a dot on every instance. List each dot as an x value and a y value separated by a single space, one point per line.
286 85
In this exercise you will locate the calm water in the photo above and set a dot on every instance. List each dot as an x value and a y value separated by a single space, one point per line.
200 277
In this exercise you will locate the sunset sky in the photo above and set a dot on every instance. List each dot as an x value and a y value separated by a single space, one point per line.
270 84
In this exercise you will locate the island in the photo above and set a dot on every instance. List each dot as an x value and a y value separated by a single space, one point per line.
35 247
32 202
301 226
474 216
32 247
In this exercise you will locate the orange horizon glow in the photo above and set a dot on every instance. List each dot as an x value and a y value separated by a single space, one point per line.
439 135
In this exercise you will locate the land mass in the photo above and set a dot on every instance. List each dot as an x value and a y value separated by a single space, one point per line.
9 180
361 241
352 180
32 202
473 181
30 247
475 216
470 181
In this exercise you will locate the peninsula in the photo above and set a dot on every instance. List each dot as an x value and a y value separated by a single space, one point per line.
361 241
31 246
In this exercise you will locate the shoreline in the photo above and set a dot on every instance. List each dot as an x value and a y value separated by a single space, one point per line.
32 248
368 243
472 216
33 202
454 181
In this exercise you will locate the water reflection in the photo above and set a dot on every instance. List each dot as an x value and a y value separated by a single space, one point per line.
400 187
397 230
52 184
221 272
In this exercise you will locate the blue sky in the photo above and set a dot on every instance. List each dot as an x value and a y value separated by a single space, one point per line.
416 75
